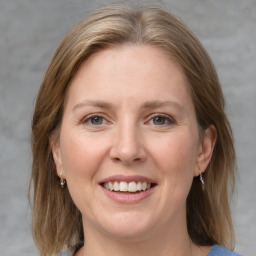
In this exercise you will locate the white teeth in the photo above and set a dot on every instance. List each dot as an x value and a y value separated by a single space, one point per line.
106 185
110 186
116 186
144 185
139 186
124 186
132 187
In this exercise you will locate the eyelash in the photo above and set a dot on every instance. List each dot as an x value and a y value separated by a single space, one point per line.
167 118
88 119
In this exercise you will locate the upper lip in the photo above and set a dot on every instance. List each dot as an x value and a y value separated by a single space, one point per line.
120 178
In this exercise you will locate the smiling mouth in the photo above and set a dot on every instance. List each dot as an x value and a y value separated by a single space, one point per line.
127 187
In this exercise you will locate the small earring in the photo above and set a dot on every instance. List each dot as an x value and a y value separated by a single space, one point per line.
201 177
62 181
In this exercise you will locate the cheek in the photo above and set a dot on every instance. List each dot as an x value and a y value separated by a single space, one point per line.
176 155
81 155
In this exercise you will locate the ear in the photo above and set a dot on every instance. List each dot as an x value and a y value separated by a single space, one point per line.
56 153
206 148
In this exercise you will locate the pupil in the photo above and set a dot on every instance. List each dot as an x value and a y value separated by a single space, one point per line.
96 120
159 120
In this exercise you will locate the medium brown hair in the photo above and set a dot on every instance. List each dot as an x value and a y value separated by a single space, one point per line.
56 221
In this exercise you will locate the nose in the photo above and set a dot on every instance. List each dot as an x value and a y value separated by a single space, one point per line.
128 145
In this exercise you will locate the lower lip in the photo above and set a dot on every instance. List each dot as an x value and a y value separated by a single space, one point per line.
128 198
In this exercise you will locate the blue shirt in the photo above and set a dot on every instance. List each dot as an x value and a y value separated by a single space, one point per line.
216 250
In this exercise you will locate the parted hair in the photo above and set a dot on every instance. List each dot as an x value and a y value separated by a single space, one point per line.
56 222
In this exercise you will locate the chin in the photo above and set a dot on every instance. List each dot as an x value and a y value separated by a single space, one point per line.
131 226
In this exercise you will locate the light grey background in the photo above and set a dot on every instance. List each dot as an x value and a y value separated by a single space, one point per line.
30 31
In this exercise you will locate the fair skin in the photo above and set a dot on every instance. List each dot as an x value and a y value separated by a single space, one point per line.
129 118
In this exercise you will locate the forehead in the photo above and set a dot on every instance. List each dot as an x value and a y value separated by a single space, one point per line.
129 71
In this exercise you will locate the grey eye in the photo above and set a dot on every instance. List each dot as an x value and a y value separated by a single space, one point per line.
159 120
96 120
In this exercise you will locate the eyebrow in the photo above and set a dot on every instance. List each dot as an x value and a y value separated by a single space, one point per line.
95 103
146 105
158 103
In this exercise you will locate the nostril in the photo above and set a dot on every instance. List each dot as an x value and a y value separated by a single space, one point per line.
116 159
127 161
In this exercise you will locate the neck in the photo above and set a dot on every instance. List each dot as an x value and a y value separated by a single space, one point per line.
166 242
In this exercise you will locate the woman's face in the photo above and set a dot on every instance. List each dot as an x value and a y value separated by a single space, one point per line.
129 145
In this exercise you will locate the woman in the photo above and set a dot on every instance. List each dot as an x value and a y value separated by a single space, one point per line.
132 151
